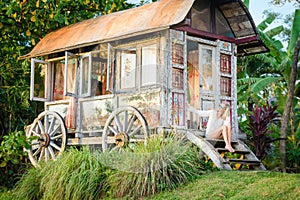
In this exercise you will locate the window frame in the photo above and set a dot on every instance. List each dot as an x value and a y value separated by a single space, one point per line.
46 83
88 93
138 73
66 92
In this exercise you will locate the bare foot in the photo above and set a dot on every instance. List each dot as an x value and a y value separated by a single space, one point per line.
229 148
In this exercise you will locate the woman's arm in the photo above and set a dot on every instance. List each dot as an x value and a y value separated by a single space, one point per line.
200 113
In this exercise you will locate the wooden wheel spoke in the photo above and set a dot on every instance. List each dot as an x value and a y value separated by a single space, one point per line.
46 154
51 125
35 132
135 130
55 146
125 121
39 149
42 154
50 128
113 130
122 124
118 123
57 137
117 149
130 124
41 126
52 152
54 131
33 143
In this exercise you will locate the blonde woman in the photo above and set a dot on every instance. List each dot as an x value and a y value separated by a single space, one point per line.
218 125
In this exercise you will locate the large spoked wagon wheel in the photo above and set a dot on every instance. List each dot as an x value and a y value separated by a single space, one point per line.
51 137
124 127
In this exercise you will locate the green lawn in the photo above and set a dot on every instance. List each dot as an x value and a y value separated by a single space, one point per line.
239 185
234 185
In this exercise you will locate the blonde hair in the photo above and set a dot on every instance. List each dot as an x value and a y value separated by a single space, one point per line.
226 111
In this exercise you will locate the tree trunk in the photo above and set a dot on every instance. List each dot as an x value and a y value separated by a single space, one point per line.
288 106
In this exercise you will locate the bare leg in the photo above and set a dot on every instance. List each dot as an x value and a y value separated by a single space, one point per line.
227 137
216 134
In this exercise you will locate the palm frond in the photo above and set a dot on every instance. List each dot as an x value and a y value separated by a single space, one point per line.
275 31
264 24
263 83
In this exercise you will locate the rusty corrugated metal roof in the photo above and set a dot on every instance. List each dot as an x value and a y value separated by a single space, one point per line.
148 18
151 16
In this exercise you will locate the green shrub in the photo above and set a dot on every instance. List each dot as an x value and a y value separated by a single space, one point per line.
164 163
74 175
12 158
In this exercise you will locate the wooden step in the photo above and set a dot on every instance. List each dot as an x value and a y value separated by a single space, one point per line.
217 143
243 161
236 151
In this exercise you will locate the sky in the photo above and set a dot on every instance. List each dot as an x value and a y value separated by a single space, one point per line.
258 6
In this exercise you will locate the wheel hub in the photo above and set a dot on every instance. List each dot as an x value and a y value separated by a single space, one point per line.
45 140
122 139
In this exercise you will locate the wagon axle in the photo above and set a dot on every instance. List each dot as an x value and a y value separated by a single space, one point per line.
45 140
122 139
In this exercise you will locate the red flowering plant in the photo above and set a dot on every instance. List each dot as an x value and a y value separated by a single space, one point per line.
259 121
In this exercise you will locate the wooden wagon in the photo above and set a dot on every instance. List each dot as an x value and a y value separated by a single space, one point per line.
115 79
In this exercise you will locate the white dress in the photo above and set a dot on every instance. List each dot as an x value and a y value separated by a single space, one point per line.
214 121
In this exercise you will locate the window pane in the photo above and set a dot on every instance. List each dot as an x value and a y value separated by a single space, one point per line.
225 64
225 86
128 68
99 71
72 71
206 64
222 26
85 75
177 54
149 65
59 70
193 74
201 19
178 114
177 79
40 80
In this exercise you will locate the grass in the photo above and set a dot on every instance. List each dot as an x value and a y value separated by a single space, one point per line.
237 185
165 168
162 164
75 175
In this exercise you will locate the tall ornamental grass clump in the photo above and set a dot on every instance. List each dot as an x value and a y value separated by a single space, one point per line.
75 175
164 163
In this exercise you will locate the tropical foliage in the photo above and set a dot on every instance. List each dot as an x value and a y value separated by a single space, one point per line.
270 78
22 24
260 121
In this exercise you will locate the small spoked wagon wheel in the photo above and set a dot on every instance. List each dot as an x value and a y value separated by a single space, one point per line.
50 137
124 126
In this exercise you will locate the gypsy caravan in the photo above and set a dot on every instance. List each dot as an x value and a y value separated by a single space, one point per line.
115 79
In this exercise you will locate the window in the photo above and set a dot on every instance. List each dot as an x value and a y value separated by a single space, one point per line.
225 63
178 113
128 68
137 66
85 75
149 65
177 54
70 74
177 76
206 67
40 72
225 86
201 16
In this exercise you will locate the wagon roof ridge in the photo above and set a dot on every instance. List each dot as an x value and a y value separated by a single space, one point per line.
144 19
